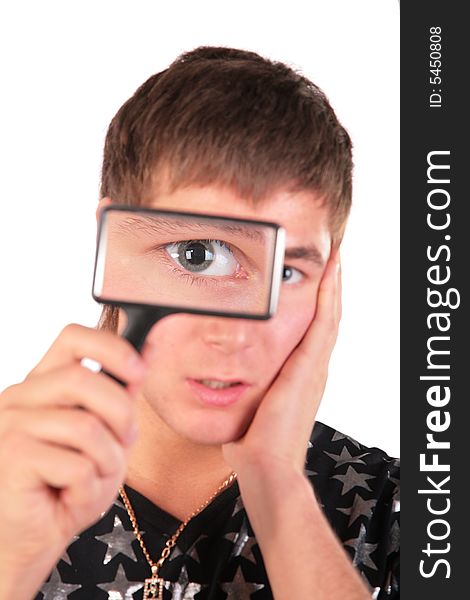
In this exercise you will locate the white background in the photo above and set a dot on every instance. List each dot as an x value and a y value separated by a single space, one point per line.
67 68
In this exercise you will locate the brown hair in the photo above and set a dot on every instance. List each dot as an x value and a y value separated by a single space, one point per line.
231 117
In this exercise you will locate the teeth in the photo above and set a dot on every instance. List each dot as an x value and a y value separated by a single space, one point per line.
216 385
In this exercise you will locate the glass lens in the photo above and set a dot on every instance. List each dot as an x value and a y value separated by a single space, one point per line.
192 261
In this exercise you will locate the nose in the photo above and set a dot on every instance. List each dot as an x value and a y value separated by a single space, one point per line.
227 335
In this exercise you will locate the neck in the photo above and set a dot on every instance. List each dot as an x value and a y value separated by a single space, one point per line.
174 473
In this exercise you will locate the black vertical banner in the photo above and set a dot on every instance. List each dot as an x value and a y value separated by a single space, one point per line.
435 314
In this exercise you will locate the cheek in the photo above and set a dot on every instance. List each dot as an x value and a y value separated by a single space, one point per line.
166 348
169 335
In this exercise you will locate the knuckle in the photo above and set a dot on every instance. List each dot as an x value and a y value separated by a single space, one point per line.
70 330
83 469
68 334
89 425
5 423
78 376
122 405
9 394
11 446
124 411
115 462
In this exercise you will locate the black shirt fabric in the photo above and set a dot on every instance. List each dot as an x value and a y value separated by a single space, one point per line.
217 557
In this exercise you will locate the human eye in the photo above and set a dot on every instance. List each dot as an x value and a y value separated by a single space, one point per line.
293 275
209 257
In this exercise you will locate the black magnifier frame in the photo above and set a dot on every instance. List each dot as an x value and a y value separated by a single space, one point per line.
142 317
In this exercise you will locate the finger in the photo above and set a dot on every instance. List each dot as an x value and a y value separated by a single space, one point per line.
76 342
93 497
339 292
75 385
327 301
307 365
38 463
73 429
320 337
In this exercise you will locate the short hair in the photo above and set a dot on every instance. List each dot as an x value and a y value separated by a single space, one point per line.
231 117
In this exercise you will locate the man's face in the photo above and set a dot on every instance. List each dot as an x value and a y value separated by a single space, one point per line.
196 346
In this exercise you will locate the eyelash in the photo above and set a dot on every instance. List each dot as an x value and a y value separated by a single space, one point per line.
205 280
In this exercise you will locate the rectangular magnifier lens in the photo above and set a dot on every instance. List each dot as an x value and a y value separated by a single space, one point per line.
190 261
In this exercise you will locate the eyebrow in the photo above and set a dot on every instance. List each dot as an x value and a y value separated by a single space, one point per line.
309 253
149 224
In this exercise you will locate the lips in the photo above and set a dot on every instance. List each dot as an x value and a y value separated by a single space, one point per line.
217 397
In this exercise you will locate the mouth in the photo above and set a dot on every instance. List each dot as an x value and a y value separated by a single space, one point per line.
217 392
218 384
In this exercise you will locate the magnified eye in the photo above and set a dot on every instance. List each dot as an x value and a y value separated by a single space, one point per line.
208 257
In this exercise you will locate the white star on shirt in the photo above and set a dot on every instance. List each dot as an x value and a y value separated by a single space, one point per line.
192 552
362 549
396 500
346 457
121 588
239 506
359 508
340 436
242 542
239 587
183 589
118 541
353 479
56 589
394 538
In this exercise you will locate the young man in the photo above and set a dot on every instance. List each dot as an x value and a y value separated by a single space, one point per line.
254 499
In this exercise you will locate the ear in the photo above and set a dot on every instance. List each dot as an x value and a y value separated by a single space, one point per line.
101 204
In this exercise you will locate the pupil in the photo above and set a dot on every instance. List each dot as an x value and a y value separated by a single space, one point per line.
287 273
196 256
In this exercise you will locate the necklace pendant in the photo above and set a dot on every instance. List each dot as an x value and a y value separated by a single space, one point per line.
153 588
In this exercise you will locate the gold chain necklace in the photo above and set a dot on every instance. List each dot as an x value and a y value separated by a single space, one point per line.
153 586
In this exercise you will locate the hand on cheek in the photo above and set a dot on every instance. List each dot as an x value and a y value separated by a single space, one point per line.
279 432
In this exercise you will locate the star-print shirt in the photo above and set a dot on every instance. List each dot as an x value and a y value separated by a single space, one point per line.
217 555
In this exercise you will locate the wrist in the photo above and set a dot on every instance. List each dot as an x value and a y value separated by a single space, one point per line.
271 476
270 468
21 579
268 496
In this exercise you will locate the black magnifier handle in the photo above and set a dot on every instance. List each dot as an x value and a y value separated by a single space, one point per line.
140 319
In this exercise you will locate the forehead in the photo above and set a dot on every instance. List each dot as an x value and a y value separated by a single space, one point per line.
301 214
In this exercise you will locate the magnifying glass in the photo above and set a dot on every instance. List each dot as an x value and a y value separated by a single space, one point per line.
153 263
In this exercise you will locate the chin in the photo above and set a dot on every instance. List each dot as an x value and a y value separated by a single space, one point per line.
212 430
